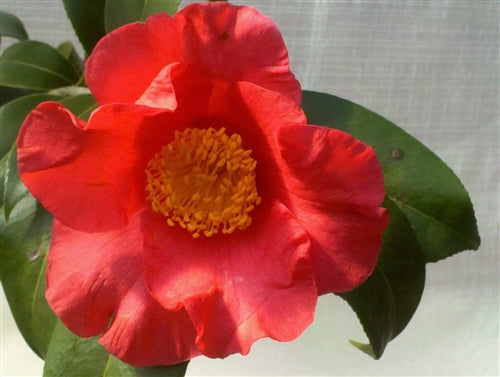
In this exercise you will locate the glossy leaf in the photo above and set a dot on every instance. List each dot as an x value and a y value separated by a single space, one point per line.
24 243
427 191
87 18
35 65
68 51
11 26
68 352
81 105
4 162
118 13
8 94
14 189
388 299
12 116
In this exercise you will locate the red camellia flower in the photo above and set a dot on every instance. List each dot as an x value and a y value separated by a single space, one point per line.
196 211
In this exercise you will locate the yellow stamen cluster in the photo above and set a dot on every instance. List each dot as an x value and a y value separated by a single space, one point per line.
204 181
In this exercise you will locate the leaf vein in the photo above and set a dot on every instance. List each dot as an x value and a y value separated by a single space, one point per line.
433 220
69 81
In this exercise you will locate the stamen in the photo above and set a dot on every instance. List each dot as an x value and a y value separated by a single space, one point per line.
203 181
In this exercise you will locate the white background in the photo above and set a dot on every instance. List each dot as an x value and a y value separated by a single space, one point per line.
431 67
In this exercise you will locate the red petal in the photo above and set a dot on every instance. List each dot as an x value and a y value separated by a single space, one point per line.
237 43
207 35
160 93
236 288
143 333
92 278
123 63
256 113
336 186
89 176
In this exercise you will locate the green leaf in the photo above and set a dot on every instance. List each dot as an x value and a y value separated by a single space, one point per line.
68 51
68 352
11 26
388 299
80 105
8 94
4 163
35 65
24 243
118 13
12 115
403 265
366 348
87 18
427 191
14 188
177 370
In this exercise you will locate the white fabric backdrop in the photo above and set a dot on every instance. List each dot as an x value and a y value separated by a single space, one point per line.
432 67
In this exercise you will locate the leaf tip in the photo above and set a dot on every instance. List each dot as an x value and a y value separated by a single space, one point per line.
366 348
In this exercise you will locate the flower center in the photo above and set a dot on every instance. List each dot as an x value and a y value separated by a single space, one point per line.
204 181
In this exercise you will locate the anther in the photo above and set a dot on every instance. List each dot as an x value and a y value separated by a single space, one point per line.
204 181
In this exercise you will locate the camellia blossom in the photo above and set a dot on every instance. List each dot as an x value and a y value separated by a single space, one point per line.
197 211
